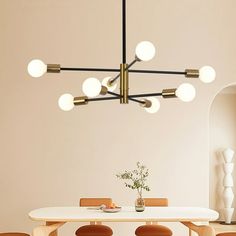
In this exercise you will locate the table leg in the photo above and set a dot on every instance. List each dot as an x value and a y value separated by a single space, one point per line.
54 233
201 230
189 232
49 229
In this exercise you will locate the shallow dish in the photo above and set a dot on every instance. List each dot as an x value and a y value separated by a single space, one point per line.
112 210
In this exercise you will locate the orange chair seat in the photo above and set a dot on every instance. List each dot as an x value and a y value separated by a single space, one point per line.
94 230
227 234
153 230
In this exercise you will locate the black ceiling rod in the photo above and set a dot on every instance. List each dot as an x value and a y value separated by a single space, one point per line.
124 31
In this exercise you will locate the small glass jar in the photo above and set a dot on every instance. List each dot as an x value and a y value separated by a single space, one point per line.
140 204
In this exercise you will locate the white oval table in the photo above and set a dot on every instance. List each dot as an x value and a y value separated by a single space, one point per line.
57 216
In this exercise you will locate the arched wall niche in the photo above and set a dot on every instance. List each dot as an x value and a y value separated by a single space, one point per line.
222 134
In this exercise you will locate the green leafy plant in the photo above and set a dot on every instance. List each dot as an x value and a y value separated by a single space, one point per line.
136 179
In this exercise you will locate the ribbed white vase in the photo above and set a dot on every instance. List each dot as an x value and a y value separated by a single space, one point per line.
228 168
228 155
228 214
228 197
228 183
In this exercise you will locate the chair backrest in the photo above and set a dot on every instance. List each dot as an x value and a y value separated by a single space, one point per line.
14 234
227 234
156 202
95 201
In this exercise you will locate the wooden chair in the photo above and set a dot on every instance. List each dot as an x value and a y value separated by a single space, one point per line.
14 234
95 228
153 229
227 234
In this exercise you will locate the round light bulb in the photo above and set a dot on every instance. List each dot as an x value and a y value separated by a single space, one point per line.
207 74
91 87
155 105
66 102
186 92
145 51
105 82
36 68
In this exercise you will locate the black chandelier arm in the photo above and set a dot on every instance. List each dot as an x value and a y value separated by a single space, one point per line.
110 98
136 100
114 94
130 98
123 31
118 70
115 78
145 95
101 99
159 72
132 63
89 69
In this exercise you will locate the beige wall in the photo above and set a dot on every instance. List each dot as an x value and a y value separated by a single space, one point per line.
222 135
51 158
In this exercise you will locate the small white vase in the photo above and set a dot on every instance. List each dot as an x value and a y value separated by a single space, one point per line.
228 155
228 197
228 214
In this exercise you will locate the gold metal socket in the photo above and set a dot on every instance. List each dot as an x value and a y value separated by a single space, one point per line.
53 68
80 100
192 73
147 103
124 84
110 82
169 93
103 90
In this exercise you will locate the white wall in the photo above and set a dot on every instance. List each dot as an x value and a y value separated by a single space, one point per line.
222 135
50 158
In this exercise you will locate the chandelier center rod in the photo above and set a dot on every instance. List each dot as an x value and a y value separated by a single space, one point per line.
124 31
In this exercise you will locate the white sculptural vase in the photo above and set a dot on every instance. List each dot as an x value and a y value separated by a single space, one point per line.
228 155
228 183
228 214
228 197
228 168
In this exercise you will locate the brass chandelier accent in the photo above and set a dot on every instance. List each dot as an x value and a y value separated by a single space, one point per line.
92 87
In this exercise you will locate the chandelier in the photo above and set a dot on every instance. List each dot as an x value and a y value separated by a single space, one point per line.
95 90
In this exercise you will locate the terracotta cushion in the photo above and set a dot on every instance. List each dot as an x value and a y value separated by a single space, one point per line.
14 234
153 230
227 234
94 230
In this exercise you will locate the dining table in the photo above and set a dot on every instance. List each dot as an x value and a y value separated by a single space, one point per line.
55 217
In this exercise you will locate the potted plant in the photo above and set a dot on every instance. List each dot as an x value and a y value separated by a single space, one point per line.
136 179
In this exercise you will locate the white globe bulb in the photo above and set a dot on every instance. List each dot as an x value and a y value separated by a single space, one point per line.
66 102
91 87
207 74
155 105
105 82
36 68
186 92
145 51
